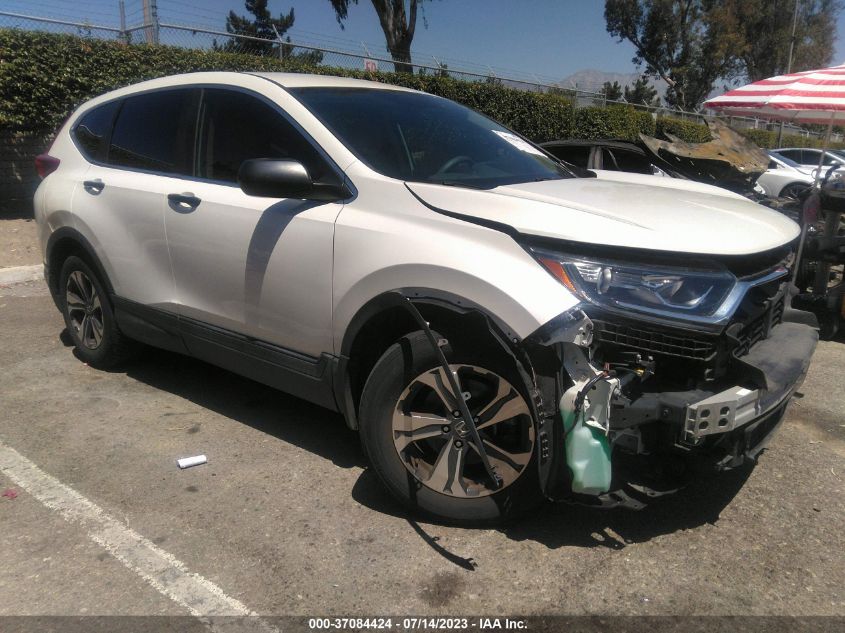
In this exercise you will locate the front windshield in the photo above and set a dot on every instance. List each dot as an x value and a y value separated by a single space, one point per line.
421 138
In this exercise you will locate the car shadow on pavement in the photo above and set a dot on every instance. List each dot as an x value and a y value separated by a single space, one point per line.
325 434
263 408
699 503
562 524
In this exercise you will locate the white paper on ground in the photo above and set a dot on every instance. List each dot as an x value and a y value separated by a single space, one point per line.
187 462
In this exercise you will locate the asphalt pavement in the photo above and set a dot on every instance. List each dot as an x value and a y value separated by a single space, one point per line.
287 519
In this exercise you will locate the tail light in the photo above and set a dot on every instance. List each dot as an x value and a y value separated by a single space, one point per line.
45 165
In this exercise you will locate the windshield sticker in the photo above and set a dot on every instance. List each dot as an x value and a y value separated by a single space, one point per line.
518 143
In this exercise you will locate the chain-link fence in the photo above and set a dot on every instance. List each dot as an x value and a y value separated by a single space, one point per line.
135 23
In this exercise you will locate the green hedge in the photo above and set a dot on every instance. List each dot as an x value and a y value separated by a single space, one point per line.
685 130
44 76
614 121
768 139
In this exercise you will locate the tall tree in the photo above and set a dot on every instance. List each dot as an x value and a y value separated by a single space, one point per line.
611 91
765 29
641 92
260 25
677 40
397 24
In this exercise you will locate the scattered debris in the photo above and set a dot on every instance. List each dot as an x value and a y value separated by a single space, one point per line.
187 462
9 493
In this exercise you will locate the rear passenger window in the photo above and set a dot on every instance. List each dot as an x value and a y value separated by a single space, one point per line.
235 127
153 132
93 128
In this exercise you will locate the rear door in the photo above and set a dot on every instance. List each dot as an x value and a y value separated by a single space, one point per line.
122 202
245 265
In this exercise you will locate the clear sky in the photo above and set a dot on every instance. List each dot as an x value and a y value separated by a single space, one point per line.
548 38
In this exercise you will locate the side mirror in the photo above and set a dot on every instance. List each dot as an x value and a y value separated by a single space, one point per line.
285 178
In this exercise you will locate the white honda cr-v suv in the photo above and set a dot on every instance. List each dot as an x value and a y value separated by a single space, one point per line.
501 327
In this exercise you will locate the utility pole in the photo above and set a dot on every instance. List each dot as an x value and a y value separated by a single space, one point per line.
151 20
789 61
123 35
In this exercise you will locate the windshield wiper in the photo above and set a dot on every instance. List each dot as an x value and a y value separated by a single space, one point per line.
457 183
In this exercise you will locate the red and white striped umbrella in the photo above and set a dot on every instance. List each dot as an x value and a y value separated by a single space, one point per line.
812 96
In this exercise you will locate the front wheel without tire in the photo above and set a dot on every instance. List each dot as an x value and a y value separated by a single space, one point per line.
89 316
419 444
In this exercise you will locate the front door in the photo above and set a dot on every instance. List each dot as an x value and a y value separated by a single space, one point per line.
246 265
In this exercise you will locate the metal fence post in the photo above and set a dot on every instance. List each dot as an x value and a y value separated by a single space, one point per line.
123 35
151 21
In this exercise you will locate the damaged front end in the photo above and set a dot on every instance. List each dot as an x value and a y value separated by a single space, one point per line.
661 382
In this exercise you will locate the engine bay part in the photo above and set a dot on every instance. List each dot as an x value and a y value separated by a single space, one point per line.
585 410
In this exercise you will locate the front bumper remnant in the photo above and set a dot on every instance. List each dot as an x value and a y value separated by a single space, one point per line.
726 426
721 413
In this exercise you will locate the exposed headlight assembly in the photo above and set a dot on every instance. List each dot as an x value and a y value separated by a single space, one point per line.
691 294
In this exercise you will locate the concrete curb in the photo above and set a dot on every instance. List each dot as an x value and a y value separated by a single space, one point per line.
20 274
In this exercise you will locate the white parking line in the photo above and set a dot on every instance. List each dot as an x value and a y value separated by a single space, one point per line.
200 596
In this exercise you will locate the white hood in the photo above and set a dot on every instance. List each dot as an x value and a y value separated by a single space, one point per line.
628 210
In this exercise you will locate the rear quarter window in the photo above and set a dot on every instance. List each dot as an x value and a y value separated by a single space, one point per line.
93 129
153 132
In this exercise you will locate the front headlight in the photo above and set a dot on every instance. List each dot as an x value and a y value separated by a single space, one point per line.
656 289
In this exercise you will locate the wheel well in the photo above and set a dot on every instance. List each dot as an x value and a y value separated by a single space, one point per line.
64 247
59 252
461 328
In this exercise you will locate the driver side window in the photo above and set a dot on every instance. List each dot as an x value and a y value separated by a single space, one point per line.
235 127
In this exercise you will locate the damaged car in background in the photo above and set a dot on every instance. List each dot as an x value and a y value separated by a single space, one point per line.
728 160
500 328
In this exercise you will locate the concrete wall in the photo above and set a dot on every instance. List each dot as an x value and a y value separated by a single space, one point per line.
18 179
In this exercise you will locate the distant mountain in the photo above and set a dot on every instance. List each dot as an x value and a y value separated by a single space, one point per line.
592 80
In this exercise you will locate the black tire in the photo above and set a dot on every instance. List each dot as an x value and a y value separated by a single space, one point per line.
111 347
394 373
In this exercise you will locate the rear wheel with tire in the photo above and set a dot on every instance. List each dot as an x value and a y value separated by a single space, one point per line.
89 316
419 444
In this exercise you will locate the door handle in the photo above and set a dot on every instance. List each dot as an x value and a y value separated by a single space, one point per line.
184 199
94 186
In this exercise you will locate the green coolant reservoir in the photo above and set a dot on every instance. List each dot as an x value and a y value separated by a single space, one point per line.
587 448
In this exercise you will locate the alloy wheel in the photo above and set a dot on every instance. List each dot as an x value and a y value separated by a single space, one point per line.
433 442
794 191
84 309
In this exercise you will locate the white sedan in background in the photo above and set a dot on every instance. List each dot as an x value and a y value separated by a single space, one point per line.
807 158
784 178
